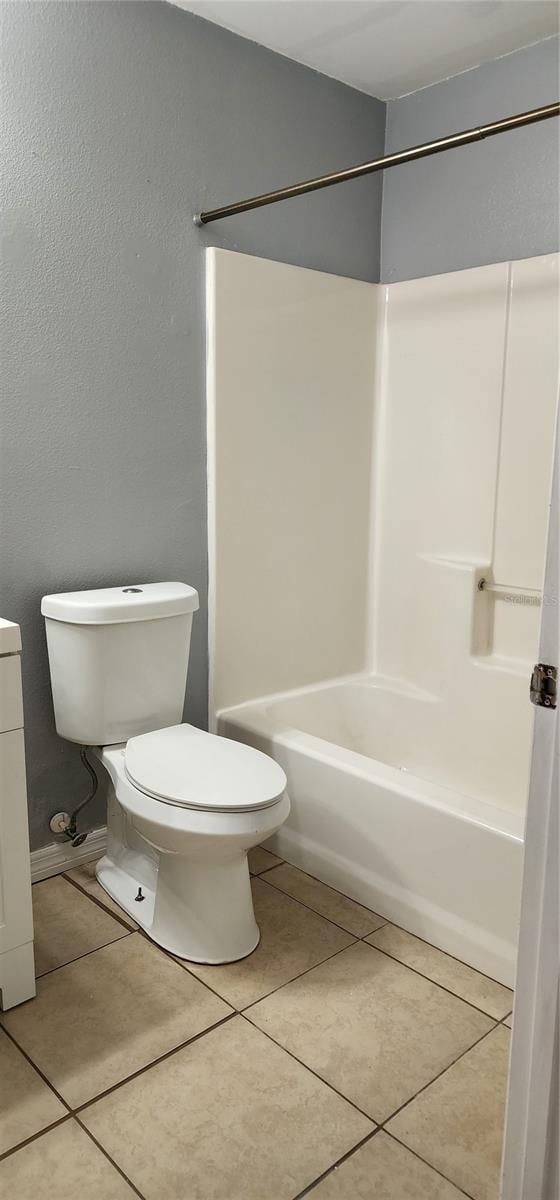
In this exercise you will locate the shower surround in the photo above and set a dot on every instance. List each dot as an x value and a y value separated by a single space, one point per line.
375 452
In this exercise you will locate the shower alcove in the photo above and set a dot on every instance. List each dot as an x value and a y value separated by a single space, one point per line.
379 461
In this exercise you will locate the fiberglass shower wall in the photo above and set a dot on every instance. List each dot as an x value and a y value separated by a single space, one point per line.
291 360
374 452
468 401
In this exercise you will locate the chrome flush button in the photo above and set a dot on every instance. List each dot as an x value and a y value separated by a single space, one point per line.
132 589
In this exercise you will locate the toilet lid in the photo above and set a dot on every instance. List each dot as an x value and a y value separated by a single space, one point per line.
186 766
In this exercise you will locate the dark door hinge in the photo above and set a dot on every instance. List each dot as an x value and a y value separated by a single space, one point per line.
543 685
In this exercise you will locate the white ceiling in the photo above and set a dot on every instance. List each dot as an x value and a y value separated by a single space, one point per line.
386 48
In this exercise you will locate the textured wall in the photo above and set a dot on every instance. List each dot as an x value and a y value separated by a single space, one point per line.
120 120
485 203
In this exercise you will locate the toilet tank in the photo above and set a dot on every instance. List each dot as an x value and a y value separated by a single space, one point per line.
118 659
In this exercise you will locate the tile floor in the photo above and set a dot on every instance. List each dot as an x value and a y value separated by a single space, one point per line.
343 1060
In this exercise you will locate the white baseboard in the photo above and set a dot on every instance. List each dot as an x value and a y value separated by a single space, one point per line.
61 856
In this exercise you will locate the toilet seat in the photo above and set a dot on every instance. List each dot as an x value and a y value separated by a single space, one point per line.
189 768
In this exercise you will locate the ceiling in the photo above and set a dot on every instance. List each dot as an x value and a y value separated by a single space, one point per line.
386 48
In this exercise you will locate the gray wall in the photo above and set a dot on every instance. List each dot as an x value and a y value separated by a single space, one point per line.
485 203
121 120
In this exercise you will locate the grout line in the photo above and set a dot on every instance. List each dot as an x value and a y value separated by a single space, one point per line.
455 995
314 911
496 1022
310 1186
439 1075
188 966
357 937
141 1070
35 1136
383 1123
86 954
252 1003
284 863
95 900
434 982
360 937
388 921
80 1108
107 1156
36 1068
308 907
186 963
461 961
428 1164
265 870
306 1067
183 963
385 921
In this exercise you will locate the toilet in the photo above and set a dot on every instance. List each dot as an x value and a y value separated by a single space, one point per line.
184 806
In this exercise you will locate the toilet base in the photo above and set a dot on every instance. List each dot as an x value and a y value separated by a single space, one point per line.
202 913
190 865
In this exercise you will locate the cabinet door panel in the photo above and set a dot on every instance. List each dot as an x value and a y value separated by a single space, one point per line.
11 708
16 923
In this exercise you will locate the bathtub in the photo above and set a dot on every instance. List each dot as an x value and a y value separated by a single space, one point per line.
431 840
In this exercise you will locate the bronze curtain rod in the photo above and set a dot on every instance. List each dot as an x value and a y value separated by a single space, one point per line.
381 164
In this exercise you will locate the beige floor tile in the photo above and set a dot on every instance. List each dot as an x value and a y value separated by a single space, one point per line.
457 1123
27 1105
323 899
384 1170
67 924
84 876
509 1021
62 1165
97 1020
375 1030
292 940
232 1114
261 860
491 997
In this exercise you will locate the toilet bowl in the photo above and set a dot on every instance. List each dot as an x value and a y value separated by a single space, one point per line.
184 806
184 809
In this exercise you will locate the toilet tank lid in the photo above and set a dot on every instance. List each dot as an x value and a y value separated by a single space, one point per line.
131 602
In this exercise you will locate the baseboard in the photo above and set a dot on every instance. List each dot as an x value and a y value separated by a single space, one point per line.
61 856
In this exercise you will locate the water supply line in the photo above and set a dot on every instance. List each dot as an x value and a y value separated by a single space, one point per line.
66 823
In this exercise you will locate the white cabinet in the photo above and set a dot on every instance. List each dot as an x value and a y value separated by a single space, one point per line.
17 974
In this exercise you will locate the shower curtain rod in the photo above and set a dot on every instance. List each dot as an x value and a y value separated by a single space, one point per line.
381 164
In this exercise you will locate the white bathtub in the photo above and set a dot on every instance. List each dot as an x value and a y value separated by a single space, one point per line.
386 809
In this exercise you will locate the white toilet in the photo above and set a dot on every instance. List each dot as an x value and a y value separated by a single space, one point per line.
184 806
